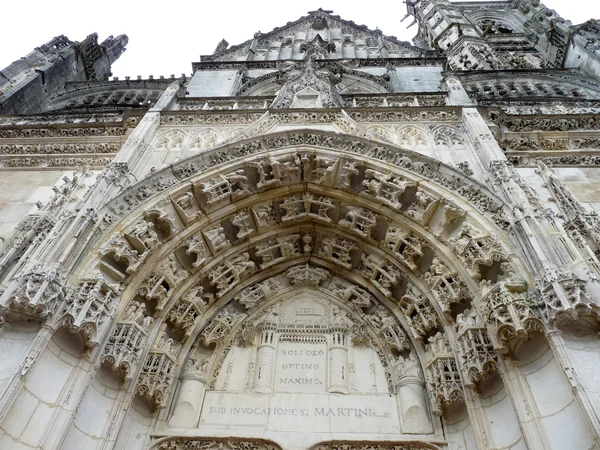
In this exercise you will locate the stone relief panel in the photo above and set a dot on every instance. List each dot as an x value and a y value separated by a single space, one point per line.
304 333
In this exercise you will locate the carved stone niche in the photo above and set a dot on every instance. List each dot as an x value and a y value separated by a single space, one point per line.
420 314
193 254
443 377
271 172
118 259
480 253
188 309
155 228
420 206
222 189
319 169
154 292
124 348
187 207
390 189
89 311
519 331
228 443
278 249
477 356
568 307
156 376
229 273
451 292
37 295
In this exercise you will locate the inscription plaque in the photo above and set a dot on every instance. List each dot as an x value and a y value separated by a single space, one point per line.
301 366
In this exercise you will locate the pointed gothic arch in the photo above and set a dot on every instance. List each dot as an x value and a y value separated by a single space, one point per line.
420 249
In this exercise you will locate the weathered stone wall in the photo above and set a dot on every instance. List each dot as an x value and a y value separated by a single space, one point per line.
20 190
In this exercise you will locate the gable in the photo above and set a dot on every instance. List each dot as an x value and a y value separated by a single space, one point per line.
345 39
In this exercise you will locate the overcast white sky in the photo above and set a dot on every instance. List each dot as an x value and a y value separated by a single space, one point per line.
166 37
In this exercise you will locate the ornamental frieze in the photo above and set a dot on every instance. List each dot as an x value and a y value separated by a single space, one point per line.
216 443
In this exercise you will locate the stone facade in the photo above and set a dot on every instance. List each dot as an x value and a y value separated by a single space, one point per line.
326 238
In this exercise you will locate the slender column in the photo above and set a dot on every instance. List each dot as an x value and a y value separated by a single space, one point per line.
190 396
338 364
413 406
265 359
412 398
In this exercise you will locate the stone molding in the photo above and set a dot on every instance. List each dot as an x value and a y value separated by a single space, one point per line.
413 162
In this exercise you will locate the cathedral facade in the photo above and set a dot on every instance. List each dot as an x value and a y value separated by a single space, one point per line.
325 238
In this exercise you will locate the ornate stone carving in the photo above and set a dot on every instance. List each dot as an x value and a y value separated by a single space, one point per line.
422 208
387 188
216 238
419 312
38 294
219 189
184 314
171 267
359 298
319 169
125 346
196 246
217 443
582 225
29 235
475 350
264 215
443 377
382 273
407 246
156 288
446 285
566 303
118 258
512 311
408 367
308 87
306 275
338 250
274 172
388 330
278 249
198 297
243 222
374 445
360 220
226 275
252 296
156 375
476 249
220 326
89 310
186 206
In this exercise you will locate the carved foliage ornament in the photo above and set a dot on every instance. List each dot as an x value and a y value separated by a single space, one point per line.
217 444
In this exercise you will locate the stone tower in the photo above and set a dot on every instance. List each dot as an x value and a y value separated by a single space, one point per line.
325 238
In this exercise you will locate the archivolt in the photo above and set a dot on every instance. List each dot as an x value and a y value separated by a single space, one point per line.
204 234
335 145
